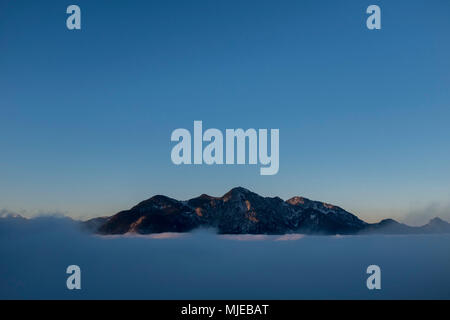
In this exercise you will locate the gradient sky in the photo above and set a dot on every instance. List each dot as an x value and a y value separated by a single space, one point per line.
86 116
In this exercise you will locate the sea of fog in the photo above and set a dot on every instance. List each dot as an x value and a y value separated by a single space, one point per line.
34 255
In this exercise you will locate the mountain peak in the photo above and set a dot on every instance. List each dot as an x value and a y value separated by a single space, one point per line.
158 200
437 221
205 196
239 190
236 192
297 200
388 221
10 215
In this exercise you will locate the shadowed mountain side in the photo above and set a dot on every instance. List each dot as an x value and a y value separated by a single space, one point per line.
241 211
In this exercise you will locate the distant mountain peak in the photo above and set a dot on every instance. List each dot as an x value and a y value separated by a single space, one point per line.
389 221
438 221
10 215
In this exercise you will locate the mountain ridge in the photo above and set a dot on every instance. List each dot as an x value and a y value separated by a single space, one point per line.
241 211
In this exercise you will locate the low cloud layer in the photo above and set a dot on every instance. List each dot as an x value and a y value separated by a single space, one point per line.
36 252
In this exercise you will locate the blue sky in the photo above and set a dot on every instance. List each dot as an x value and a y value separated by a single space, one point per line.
86 116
